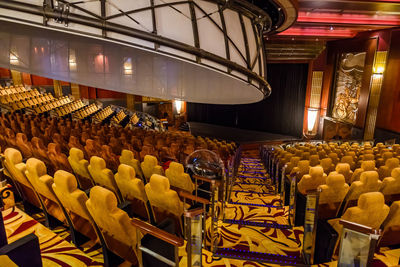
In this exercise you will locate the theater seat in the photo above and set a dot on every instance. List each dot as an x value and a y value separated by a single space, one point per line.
381 160
80 167
344 169
178 178
302 168
39 150
164 201
369 182
111 159
334 190
349 160
311 181
327 165
150 166
23 145
391 227
334 157
36 172
292 164
119 235
73 200
314 160
103 176
132 189
391 185
91 148
57 158
370 211
127 157
386 170
368 165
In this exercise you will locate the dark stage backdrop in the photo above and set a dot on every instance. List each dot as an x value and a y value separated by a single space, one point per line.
280 113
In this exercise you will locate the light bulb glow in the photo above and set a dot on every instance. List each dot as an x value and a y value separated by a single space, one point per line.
311 118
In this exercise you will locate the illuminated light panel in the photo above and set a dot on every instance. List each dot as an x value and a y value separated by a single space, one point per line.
295 31
336 18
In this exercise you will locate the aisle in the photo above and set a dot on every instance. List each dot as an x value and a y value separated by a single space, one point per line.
255 223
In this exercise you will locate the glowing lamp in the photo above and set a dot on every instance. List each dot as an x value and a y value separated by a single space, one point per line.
312 114
178 106
128 66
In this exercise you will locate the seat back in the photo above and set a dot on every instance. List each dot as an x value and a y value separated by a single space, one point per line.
292 164
23 145
314 160
391 185
15 167
368 165
349 160
57 158
103 176
386 170
130 186
150 166
334 190
36 172
112 221
311 181
178 178
127 157
161 196
370 211
369 182
73 199
344 169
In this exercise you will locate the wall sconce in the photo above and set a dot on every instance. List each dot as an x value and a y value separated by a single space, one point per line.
128 66
13 59
380 63
178 106
312 116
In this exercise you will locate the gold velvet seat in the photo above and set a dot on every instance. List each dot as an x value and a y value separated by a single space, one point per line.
114 224
73 200
132 189
23 145
127 157
302 168
368 165
386 170
314 160
327 165
178 178
315 178
80 167
36 172
370 211
349 160
391 185
369 182
391 227
57 158
164 201
103 176
344 169
150 166
15 169
334 190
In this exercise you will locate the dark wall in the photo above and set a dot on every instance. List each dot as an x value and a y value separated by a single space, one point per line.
281 113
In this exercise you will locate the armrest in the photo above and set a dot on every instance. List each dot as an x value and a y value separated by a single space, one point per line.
24 252
187 195
156 232
193 212
205 179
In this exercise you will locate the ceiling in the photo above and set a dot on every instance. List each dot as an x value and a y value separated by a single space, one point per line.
320 21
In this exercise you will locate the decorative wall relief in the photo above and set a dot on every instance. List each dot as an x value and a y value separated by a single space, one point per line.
348 81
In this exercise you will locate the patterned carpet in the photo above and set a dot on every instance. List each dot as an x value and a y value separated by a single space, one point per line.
253 222
55 250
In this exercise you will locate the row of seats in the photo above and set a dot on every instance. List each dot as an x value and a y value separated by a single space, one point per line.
91 138
50 104
18 96
102 209
86 111
102 114
119 117
11 90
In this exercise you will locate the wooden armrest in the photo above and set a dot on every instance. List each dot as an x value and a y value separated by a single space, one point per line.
156 232
205 179
359 227
193 213
192 197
